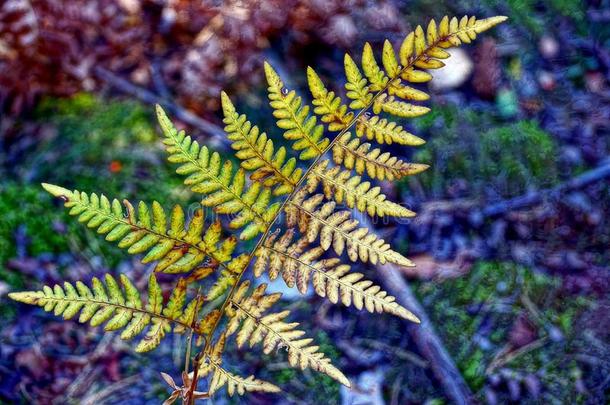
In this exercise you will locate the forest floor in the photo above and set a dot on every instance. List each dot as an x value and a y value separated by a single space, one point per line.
511 240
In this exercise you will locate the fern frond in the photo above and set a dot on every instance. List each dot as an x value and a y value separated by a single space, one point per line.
383 131
274 264
221 377
327 105
178 248
330 278
253 327
356 86
423 50
351 154
342 187
376 77
228 276
121 308
393 106
419 50
339 230
293 117
223 191
256 151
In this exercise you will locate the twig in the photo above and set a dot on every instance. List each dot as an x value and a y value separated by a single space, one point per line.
398 352
216 133
426 339
111 389
507 355
536 197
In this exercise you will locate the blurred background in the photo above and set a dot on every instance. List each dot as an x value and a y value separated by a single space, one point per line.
511 239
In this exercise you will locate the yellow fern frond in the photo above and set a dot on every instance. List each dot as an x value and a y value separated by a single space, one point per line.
256 151
351 154
377 77
330 278
228 276
357 86
223 191
383 131
339 230
343 187
419 50
119 308
293 117
327 105
393 106
253 327
178 248
301 255
275 263
423 50
221 377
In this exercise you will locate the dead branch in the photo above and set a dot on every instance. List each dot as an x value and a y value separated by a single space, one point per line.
536 197
425 337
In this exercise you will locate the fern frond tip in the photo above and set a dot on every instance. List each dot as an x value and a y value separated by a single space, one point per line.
26 297
487 23
57 191
408 315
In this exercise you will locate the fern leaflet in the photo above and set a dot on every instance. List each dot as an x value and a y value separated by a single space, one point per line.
178 249
121 308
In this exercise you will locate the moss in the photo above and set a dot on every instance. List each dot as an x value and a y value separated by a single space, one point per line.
476 313
505 160
535 15
27 211
105 145
99 145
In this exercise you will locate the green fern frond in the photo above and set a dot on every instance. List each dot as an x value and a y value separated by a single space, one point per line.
330 278
224 191
343 187
256 151
293 117
253 326
339 230
178 248
120 308
351 154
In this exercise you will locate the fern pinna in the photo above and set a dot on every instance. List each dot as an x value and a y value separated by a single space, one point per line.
301 182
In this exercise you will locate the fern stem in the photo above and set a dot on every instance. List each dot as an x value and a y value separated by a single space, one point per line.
302 179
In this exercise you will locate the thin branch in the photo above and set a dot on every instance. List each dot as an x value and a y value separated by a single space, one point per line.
599 173
425 337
